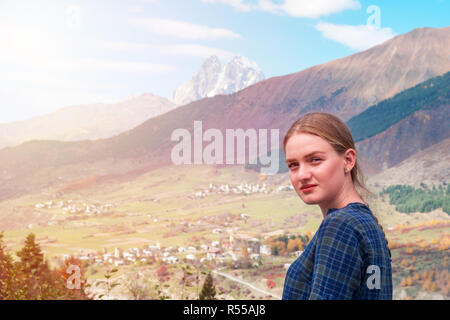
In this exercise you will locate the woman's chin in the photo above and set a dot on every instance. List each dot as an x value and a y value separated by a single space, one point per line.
310 200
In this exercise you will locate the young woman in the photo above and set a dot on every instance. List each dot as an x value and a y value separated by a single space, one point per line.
348 257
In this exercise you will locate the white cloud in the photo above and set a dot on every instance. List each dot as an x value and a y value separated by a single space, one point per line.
237 4
86 64
295 8
122 66
359 38
183 29
195 51
38 93
122 45
192 50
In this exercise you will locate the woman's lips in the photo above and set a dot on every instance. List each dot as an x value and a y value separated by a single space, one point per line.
308 188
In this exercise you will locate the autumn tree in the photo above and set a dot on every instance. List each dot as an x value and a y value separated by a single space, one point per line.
135 287
71 279
244 261
244 251
31 278
292 245
162 271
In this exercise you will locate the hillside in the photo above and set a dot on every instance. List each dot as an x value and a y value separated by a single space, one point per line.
345 87
430 166
397 128
430 94
85 122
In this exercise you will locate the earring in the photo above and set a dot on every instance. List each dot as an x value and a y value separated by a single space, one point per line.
345 170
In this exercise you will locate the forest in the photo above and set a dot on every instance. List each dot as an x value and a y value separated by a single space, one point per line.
377 118
408 199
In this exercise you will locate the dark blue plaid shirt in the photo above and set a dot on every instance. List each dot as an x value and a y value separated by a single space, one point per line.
346 259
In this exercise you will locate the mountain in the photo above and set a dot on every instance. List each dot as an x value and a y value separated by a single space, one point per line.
429 94
82 122
345 87
429 166
397 128
215 78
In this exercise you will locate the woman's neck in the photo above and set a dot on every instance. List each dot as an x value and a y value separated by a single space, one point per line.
346 196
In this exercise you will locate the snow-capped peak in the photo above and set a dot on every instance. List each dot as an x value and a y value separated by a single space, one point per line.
215 78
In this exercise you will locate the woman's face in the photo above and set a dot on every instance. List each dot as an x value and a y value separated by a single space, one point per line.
316 170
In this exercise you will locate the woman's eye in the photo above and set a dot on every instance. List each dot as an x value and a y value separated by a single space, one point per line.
291 165
315 159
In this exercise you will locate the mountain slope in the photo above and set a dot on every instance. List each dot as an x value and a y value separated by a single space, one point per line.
420 118
396 128
429 94
85 121
429 166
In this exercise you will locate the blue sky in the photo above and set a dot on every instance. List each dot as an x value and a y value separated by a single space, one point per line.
66 52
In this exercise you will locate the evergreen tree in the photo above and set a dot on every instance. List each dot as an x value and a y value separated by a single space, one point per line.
7 274
31 278
36 279
31 257
209 290
275 250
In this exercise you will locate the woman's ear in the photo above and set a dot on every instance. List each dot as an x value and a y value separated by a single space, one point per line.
349 159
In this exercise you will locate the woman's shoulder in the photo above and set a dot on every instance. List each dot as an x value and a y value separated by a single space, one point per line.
355 216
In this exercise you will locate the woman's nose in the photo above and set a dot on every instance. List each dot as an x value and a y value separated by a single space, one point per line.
303 174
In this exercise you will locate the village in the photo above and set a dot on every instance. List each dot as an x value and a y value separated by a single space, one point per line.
243 188
230 247
72 207
220 253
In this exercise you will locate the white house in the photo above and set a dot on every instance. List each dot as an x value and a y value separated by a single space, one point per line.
137 251
118 263
255 256
264 249
298 253
215 243
172 259
117 253
190 257
212 253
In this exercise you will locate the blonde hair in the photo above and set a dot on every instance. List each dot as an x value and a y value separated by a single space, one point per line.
336 132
